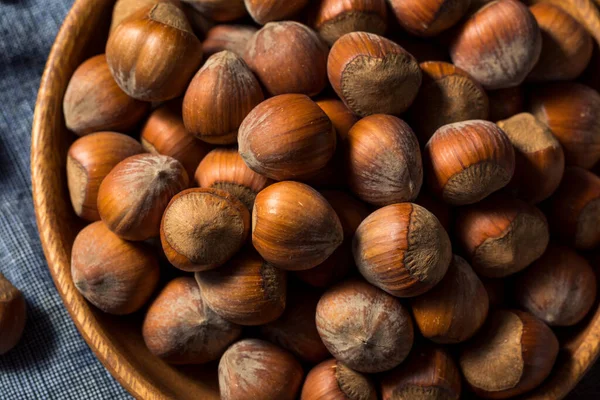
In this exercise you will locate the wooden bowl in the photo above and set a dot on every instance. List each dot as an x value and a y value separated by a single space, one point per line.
117 341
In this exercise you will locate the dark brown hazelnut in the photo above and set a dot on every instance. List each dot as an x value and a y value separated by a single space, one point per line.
234 38
181 329
383 160
13 315
504 103
219 10
496 289
402 249
363 327
333 380
428 17
263 11
372 74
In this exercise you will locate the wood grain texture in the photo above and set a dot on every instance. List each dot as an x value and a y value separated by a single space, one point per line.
117 342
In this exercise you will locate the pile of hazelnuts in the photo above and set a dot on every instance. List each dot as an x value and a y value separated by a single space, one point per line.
364 216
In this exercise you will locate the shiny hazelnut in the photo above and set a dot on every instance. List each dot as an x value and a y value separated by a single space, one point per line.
512 354
429 373
94 102
263 11
224 169
203 228
332 379
504 103
219 97
566 45
255 369
181 329
340 115
585 12
123 9
455 309
246 290
161 30
559 288
294 227
298 141
442 211
499 45
296 330
539 158
402 249
372 74
219 10
383 160
428 17
115 275
165 134
574 209
134 195
288 57
89 160
234 38
334 18
467 161
13 315
448 94
571 111
501 235
363 327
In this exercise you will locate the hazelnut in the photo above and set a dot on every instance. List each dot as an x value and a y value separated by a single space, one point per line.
263 11
123 9
94 102
496 56
504 103
584 11
203 228
574 209
116 276
372 74
245 291
454 310
383 160
402 249
132 49
571 111
341 117
501 235
219 97
288 57
296 329
429 373
165 134
298 141
224 169
234 38
89 160
559 288
448 94
539 158
442 211
332 379
566 45
13 315
512 354
351 213
255 369
294 227
219 10
428 17
467 161
134 195
181 329
334 18
363 327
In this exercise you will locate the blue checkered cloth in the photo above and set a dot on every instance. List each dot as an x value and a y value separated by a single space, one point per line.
52 361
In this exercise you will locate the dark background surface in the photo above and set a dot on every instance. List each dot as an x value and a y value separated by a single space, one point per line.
52 361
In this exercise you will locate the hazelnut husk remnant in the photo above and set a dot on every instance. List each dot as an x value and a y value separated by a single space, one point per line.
429 17
234 38
512 354
372 74
294 227
467 161
332 379
263 11
402 249
363 327
219 10
13 315
181 329
89 160
203 228
115 275
134 195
